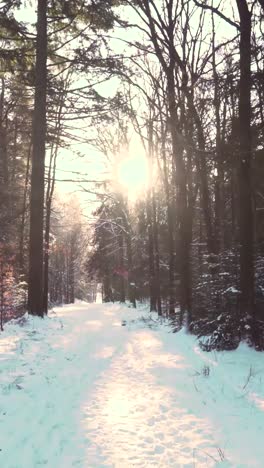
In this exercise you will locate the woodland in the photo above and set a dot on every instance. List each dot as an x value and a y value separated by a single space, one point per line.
188 85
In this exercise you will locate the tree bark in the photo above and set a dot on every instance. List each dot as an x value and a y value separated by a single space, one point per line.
156 254
23 217
122 267
219 209
150 220
245 188
35 280
46 257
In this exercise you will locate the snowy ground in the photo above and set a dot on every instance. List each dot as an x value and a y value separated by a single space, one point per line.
94 386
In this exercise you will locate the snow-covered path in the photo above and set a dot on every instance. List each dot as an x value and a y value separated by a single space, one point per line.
79 389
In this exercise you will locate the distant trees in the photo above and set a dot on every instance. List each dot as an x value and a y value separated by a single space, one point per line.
112 260
68 249
200 123
12 287
15 129
37 65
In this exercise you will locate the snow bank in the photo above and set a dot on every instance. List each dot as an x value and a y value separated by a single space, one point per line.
98 385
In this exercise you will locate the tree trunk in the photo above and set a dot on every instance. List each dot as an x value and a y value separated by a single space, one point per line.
122 267
151 261
171 244
46 258
219 182
4 175
35 280
72 269
23 217
181 194
156 253
245 189
131 280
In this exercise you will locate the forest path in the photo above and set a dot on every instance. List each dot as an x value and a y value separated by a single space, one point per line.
80 389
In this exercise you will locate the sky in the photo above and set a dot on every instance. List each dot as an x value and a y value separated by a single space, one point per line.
93 164
90 163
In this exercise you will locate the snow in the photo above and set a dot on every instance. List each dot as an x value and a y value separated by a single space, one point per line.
79 389
232 290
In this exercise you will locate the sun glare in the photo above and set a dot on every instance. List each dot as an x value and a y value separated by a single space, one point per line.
133 174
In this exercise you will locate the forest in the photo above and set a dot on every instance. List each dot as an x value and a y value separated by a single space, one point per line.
177 86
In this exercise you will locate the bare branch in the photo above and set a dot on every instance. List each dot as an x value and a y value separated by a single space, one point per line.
218 13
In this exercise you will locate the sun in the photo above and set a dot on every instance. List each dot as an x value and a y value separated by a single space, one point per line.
132 174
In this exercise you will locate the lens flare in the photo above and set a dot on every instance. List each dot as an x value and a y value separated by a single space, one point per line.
133 175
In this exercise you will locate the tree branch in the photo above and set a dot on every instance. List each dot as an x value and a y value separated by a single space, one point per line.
218 13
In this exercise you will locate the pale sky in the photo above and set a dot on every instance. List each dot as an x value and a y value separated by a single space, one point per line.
93 164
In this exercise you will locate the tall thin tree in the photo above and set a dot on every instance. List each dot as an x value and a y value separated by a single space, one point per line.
245 192
35 284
